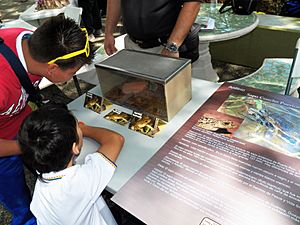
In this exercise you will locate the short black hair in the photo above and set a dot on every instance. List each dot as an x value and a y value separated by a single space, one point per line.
56 37
46 138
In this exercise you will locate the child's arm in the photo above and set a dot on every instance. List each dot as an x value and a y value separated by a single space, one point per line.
111 142
9 147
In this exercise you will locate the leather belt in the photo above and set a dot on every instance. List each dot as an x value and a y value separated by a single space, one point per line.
150 43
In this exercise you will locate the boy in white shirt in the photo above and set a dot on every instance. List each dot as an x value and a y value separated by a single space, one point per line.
67 194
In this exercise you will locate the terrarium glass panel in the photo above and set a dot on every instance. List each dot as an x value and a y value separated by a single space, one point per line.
146 82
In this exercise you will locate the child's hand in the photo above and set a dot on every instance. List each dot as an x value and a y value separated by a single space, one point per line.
82 127
110 142
81 124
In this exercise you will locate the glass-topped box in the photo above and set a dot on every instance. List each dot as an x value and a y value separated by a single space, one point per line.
144 82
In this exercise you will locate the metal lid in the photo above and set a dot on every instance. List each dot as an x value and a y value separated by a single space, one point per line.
144 65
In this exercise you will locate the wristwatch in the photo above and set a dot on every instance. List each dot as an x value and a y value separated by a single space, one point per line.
172 47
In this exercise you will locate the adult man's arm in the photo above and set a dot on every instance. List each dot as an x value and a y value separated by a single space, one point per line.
183 25
113 13
9 148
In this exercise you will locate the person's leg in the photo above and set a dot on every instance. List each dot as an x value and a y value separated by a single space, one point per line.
87 16
14 194
97 23
102 6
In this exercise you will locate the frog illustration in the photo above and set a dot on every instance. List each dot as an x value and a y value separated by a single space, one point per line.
213 124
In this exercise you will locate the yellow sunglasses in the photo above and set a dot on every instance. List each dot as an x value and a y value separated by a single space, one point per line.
86 50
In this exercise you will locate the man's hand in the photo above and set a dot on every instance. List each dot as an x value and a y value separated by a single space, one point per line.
166 52
109 44
113 13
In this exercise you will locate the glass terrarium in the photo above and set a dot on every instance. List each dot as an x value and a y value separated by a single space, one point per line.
149 83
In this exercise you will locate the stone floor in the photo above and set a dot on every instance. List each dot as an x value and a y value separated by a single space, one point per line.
66 92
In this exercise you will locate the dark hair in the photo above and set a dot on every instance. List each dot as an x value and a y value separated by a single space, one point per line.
56 37
46 138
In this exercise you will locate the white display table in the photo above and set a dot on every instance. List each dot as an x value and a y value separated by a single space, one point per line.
138 148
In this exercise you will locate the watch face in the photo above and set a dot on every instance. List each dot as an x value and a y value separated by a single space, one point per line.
172 47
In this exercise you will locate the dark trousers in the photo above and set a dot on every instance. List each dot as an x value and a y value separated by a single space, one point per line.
102 6
91 16
14 193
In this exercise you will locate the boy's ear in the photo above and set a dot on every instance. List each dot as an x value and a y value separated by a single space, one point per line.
75 149
51 69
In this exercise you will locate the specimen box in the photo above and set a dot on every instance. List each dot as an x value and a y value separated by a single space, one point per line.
144 82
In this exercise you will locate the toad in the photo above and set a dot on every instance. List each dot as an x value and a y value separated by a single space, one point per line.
94 105
117 117
141 123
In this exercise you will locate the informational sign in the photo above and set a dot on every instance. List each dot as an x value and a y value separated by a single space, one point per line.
234 162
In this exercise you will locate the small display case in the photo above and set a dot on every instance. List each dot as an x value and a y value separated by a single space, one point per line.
144 82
